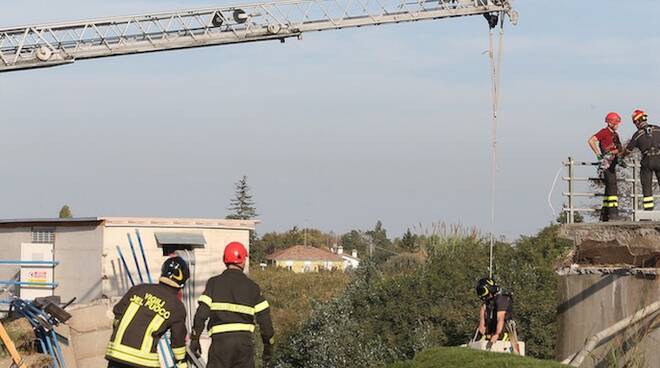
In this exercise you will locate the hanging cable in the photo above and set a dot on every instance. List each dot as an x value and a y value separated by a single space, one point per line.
495 62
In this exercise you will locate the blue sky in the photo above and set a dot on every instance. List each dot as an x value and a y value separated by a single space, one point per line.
335 131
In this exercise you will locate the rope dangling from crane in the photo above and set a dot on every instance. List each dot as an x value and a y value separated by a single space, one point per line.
495 62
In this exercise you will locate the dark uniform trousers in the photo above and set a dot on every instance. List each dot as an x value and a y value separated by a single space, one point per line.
611 200
232 303
232 350
650 165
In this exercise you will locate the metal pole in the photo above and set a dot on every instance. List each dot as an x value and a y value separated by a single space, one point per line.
570 191
137 263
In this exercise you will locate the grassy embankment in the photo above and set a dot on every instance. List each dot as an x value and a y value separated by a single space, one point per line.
467 358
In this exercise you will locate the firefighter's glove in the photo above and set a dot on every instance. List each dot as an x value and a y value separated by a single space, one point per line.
267 356
195 347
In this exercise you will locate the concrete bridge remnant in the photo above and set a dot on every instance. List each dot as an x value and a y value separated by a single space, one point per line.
611 274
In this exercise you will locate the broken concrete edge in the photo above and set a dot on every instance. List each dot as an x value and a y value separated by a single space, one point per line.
635 245
622 270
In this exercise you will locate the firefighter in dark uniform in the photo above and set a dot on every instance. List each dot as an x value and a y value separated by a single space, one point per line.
231 302
607 145
496 314
146 313
647 140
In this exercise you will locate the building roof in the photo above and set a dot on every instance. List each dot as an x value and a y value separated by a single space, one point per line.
76 221
304 253
132 222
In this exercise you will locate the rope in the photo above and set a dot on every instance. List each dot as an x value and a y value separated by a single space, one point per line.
495 63
552 189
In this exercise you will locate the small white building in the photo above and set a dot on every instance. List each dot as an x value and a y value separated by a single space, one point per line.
85 249
350 262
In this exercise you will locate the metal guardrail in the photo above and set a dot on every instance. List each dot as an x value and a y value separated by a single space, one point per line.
570 209
51 285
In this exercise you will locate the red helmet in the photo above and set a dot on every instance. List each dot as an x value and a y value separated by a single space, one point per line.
613 118
639 116
235 253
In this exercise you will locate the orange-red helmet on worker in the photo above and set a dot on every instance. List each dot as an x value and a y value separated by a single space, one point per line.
613 118
235 253
639 116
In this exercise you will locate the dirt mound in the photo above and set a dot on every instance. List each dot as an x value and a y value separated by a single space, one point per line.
31 361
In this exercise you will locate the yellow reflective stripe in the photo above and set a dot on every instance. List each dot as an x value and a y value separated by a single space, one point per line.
148 340
611 204
126 320
648 199
612 198
230 307
131 355
261 306
179 353
182 365
231 327
505 337
206 300
649 205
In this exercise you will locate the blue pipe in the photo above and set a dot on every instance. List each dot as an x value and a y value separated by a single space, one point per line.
137 264
58 348
30 263
144 257
51 352
123 261
28 283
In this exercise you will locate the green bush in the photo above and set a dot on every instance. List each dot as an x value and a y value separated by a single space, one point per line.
388 314
293 296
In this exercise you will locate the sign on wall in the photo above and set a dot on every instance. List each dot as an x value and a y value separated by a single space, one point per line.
39 274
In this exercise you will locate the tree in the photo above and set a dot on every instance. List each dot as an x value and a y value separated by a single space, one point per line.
65 212
355 239
409 242
242 205
380 244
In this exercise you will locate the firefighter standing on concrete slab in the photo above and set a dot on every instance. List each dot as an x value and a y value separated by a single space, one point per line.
144 314
607 145
496 314
647 140
232 302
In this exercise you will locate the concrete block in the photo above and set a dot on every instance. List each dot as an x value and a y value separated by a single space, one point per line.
498 347
94 362
92 344
67 348
92 317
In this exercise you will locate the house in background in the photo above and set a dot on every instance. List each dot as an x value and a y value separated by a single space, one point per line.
301 258
350 262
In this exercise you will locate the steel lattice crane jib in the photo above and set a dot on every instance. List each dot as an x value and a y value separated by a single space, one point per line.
46 45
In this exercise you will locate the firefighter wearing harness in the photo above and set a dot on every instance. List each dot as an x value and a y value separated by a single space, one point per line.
496 314
607 145
144 314
647 140
231 302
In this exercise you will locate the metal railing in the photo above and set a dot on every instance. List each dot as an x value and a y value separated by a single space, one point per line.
633 192
18 283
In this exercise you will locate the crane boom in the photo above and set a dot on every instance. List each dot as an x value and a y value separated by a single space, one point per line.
46 45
